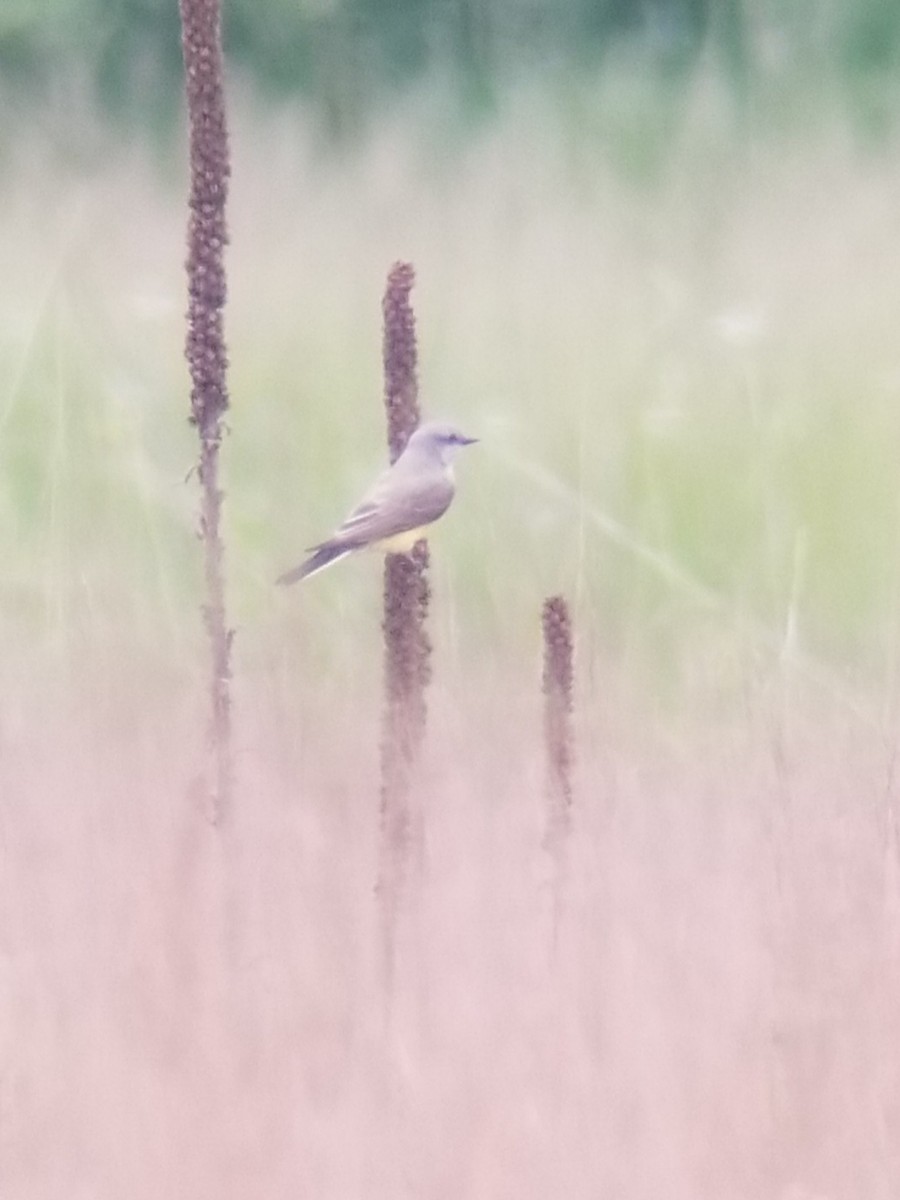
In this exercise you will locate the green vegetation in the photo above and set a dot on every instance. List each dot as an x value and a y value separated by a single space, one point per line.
349 58
704 355
665 303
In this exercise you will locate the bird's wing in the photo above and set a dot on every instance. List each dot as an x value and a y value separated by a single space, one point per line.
395 504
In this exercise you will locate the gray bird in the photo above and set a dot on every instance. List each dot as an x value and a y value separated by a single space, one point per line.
408 497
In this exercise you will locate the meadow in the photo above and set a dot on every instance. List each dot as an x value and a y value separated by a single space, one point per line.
674 331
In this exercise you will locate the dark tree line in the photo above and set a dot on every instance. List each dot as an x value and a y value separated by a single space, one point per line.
341 54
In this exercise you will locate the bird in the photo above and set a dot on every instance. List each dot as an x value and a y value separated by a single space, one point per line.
406 498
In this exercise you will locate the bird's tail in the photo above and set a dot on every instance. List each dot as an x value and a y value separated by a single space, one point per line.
322 556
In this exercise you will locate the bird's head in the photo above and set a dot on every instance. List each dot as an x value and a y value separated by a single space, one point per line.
439 439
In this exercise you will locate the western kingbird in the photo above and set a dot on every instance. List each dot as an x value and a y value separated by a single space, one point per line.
406 498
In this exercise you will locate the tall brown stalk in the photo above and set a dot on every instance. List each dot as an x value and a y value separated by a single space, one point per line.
201 36
558 738
407 649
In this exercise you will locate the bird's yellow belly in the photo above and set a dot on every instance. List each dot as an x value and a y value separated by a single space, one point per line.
401 543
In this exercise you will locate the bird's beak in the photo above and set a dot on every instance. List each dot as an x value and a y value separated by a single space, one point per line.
467 441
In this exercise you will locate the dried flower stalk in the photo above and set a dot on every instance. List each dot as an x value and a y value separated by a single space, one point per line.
407 649
205 348
558 738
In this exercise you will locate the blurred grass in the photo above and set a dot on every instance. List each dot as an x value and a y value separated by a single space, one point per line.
656 322
673 325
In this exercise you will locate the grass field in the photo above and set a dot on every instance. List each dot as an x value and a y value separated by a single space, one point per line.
676 338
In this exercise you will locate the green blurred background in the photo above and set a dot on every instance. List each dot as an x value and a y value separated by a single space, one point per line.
657 243
348 57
